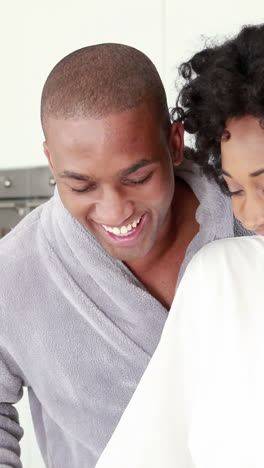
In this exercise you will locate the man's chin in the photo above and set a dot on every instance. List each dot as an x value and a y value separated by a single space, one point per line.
125 254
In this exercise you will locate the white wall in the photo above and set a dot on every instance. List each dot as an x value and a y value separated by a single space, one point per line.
30 454
35 34
41 33
189 23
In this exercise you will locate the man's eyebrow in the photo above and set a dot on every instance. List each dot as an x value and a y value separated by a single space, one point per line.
253 174
138 165
123 172
73 175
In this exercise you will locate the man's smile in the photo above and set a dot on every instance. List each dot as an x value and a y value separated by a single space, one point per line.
123 230
126 233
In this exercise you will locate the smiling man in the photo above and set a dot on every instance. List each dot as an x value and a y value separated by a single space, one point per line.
102 258
115 175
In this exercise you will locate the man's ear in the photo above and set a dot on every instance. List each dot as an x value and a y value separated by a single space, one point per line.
47 154
177 142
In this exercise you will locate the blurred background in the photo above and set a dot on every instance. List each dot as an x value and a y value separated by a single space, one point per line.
35 35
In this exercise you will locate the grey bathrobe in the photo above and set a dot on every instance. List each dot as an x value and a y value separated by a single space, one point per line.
78 329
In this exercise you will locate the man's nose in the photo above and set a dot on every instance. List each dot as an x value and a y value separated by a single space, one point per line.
113 208
252 214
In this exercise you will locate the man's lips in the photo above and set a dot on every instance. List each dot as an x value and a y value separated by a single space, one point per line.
131 235
124 229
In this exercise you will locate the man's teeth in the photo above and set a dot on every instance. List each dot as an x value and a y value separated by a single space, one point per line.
124 230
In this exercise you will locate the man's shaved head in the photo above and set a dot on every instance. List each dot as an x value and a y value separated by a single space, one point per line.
99 80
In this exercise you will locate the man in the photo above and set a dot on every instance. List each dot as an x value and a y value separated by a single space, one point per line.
88 278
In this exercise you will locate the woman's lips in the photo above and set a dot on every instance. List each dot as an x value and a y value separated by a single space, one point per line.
260 230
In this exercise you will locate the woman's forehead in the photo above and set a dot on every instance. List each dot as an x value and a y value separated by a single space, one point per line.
244 135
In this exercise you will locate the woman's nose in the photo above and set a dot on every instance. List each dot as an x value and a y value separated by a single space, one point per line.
252 216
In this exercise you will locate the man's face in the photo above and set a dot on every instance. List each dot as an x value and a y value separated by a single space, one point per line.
115 176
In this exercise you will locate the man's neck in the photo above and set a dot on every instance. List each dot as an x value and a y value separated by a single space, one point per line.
159 270
179 226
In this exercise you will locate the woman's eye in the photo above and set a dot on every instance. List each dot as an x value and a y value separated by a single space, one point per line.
228 190
237 192
140 181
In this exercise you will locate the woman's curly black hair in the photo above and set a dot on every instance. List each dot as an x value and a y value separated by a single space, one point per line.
221 82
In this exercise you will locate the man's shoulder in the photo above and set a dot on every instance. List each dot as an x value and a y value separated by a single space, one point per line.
214 213
203 187
21 241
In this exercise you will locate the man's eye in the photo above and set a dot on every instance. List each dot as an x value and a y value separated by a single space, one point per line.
86 189
140 181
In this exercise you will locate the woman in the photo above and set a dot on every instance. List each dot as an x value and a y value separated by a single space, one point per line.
200 403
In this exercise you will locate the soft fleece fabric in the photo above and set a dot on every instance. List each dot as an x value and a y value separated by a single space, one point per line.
78 329
200 402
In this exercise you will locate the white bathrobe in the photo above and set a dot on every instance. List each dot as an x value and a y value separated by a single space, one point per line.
200 403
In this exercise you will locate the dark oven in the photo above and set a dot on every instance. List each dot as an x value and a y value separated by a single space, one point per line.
22 190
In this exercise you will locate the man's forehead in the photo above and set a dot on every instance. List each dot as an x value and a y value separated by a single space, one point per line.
120 134
145 112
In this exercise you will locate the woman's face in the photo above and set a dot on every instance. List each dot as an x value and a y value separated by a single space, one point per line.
243 170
